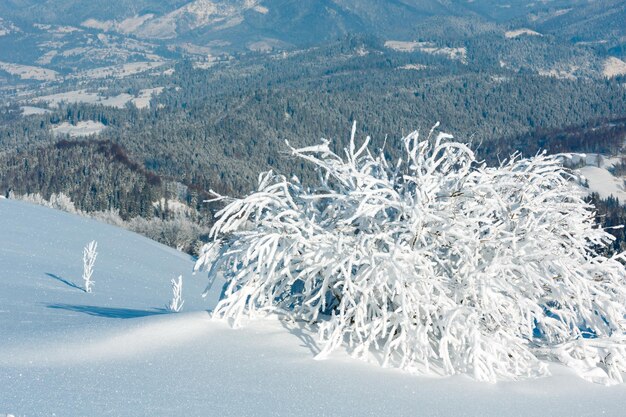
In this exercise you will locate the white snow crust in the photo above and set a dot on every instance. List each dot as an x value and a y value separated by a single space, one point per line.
192 15
142 101
604 183
414 67
120 71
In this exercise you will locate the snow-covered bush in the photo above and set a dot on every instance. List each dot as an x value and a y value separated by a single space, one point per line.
176 303
435 263
58 201
179 233
89 260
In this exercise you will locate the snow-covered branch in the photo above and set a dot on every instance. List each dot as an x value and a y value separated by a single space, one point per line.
176 304
89 260
440 263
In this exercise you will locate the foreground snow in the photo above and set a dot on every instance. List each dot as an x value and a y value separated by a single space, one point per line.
68 353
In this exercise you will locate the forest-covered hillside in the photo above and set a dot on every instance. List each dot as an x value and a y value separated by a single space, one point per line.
217 126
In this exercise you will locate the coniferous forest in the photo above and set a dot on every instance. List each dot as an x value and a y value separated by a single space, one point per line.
216 128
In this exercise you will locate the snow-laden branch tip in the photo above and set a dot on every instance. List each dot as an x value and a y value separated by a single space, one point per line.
176 303
437 262
89 260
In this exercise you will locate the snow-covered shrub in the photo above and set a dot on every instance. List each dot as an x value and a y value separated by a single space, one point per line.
435 263
63 202
89 260
176 303
110 216
60 201
179 233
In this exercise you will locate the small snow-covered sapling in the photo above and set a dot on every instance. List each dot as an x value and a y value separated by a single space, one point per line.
89 259
176 304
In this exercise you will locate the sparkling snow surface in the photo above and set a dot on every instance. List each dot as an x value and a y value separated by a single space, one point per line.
115 353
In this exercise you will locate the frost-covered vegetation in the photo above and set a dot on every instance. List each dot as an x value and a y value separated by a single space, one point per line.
176 303
177 230
435 263
89 260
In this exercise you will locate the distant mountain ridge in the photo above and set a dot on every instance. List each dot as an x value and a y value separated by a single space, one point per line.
288 22
71 36
236 22
296 22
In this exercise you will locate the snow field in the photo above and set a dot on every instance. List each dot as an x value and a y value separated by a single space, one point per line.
82 128
141 101
114 352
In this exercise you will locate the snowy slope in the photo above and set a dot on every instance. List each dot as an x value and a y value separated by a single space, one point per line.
28 72
601 181
82 128
595 170
112 353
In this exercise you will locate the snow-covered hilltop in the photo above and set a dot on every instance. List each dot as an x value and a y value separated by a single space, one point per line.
595 171
193 15
519 32
118 353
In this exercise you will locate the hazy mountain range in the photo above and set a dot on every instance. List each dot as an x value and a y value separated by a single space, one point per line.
68 35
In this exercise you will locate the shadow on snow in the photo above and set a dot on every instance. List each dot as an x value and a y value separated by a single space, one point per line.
299 329
108 312
64 281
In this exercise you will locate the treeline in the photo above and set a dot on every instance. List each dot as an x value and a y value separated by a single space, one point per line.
179 229
602 136
98 175
611 214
